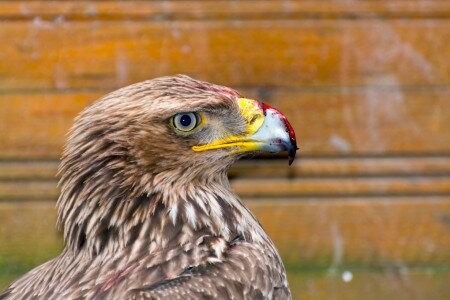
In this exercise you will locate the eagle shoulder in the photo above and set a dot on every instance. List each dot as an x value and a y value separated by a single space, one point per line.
231 270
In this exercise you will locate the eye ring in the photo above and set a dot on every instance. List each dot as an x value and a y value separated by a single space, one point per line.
186 122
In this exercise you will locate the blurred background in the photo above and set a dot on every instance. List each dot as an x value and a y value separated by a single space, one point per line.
363 213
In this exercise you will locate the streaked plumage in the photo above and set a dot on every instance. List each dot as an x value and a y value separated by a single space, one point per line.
147 217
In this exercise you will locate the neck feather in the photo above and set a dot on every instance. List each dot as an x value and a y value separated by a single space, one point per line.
102 211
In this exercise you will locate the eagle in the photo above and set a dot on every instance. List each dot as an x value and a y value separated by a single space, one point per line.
146 207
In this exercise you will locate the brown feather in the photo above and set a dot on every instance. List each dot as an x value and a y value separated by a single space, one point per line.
144 217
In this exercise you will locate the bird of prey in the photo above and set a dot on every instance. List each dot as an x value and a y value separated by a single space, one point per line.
146 207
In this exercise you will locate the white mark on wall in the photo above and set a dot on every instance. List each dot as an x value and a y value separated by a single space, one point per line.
186 49
338 248
40 23
339 143
347 276
59 20
393 52
387 111
380 107
175 32
37 21
24 10
91 10
392 48
122 71
60 77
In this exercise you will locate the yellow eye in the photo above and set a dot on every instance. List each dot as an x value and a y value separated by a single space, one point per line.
186 121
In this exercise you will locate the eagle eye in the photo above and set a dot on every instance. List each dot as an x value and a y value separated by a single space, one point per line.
186 121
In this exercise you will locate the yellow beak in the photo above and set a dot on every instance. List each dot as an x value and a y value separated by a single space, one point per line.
266 130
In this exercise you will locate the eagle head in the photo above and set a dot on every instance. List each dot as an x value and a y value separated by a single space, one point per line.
156 137
178 124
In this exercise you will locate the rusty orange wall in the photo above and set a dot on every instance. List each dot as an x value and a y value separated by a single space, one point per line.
365 83
355 78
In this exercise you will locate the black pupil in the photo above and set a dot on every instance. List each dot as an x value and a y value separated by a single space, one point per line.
185 120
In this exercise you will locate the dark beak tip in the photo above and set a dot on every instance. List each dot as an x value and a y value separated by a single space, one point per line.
291 154
291 160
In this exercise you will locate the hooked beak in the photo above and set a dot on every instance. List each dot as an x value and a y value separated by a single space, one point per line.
267 130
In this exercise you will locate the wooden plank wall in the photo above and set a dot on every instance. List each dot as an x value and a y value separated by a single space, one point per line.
364 83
